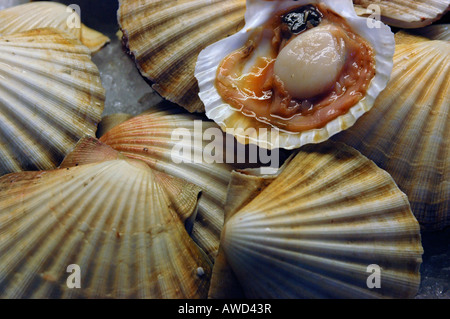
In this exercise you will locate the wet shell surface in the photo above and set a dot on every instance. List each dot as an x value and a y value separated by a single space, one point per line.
46 14
166 36
50 96
150 138
405 13
113 219
248 128
407 132
316 229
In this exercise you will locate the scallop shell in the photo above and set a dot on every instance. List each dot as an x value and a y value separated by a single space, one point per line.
112 219
405 13
247 129
314 231
244 186
165 38
50 96
183 195
47 14
407 132
148 137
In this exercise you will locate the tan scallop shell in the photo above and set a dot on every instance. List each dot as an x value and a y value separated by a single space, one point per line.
405 13
113 219
315 230
47 14
182 195
407 132
165 37
435 32
50 96
148 137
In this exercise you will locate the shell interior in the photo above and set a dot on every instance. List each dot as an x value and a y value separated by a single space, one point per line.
248 129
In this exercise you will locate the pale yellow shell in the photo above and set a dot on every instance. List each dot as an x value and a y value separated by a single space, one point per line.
48 14
51 95
316 229
407 132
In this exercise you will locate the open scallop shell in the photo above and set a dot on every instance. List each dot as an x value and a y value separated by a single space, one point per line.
50 96
407 132
47 14
113 219
165 38
315 229
148 137
247 129
405 13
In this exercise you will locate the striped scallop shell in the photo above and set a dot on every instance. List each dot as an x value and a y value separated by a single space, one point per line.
112 219
50 96
315 230
405 13
246 128
149 137
407 132
47 14
166 36
182 195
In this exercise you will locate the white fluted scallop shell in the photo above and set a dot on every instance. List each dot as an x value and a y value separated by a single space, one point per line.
165 38
248 129
48 14
407 132
50 96
314 231
112 219
405 13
